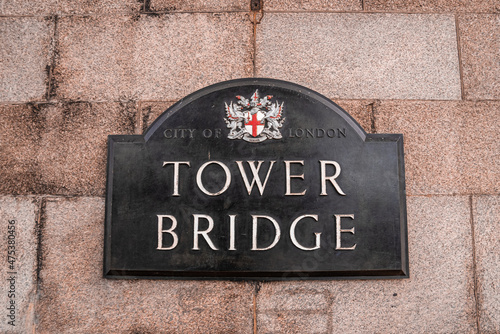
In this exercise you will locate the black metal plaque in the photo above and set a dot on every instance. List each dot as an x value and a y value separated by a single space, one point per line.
255 179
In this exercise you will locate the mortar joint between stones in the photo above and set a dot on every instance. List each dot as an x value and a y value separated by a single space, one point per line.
40 218
371 110
51 84
459 54
474 275
255 19
257 286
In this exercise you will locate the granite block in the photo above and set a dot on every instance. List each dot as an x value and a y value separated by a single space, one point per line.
150 57
25 54
59 148
437 298
294 323
65 7
450 147
480 51
362 56
21 128
293 298
432 143
95 58
433 6
312 5
479 146
73 146
74 297
18 217
218 49
486 211
197 5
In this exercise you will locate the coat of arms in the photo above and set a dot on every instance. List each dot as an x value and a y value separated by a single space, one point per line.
255 119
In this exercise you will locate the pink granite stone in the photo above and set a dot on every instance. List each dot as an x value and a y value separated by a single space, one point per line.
433 6
487 242
479 146
18 230
73 146
198 5
150 57
65 7
480 45
95 58
362 56
450 147
21 127
59 148
313 5
25 54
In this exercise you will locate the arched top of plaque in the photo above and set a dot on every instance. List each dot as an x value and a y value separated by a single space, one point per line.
257 110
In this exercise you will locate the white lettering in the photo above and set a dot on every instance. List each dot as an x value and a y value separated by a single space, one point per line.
204 234
254 232
324 178
294 239
255 174
202 187
232 221
176 173
288 177
170 230
339 229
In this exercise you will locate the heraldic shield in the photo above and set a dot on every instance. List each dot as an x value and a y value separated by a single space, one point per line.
255 119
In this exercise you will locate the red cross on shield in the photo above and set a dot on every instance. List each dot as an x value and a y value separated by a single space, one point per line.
254 124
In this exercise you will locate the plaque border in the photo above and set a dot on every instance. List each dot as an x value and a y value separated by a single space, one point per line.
112 273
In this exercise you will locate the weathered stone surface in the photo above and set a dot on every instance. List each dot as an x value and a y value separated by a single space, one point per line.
480 45
24 56
487 242
450 147
72 157
51 7
196 5
294 323
437 298
59 148
95 58
433 6
360 110
359 56
105 57
194 60
312 5
479 147
432 143
75 298
149 112
18 214
20 133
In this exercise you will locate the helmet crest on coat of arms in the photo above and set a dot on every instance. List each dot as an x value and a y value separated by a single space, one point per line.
255 119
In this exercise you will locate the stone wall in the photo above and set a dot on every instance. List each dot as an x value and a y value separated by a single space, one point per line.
73 72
